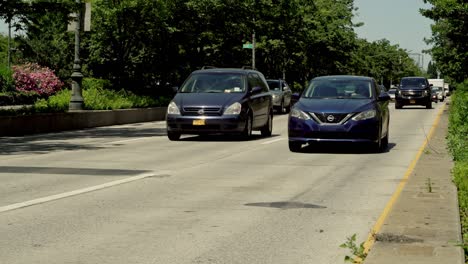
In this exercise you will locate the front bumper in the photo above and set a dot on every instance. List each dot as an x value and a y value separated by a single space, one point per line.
211 124
351 131
413 98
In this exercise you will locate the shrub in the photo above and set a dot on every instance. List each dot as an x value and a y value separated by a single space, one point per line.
7 83
32 77
55 103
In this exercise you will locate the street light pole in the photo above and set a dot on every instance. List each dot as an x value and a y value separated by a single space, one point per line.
77 101
9 44
253 50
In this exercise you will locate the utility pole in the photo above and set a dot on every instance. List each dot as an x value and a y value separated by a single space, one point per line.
9 44
253 49
77 101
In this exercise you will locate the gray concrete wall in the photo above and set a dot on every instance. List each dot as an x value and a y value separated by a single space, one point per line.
53 122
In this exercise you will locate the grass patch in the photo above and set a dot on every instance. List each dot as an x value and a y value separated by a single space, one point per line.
458 145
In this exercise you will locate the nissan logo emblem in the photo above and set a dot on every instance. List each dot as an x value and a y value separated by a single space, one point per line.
201 112
330 118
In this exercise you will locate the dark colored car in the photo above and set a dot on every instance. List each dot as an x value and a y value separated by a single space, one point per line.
413 91
434 94
281 94
228 101
340 109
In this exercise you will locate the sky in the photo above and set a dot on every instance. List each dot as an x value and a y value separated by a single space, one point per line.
398 21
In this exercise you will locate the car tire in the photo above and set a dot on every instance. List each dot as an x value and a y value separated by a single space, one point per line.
384 143
173 136
282 109
295 146
267 129
247 133
429 105
288 108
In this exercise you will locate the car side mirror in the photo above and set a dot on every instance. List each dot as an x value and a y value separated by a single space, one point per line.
295 97
175 89
256 90
383 97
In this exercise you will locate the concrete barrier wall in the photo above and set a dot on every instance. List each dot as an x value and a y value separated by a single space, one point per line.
53 122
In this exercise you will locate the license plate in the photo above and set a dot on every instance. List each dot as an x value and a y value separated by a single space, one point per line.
200 122
412 101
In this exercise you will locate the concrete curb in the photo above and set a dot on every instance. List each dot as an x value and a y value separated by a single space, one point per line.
424 224
54 122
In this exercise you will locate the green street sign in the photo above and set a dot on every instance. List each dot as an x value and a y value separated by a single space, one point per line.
247 46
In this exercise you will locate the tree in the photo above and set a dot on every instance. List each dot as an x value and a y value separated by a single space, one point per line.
450 48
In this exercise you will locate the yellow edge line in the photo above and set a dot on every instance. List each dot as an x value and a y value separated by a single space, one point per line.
378 225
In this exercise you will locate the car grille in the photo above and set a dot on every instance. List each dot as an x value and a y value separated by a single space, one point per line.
202 111
412 93
330 118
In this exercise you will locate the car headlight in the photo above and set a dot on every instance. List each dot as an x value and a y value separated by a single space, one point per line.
275 96
172 109
425 93
299 114
233 109
365 115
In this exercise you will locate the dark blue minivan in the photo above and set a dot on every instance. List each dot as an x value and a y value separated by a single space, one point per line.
340 109
221 100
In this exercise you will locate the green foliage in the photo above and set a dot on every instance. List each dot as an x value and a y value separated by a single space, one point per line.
97 97
458 145
7 83
357 252
458 126
449 45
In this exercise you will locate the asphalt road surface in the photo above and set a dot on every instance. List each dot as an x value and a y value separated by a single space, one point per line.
126 194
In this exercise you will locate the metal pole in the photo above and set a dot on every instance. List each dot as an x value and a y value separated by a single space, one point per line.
9 44
77 101
253 50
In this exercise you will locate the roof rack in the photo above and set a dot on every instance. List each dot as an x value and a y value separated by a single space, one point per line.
208 67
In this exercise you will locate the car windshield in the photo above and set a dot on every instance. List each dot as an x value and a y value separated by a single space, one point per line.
274 85
391 91
435 89
214 83
412 82
341 89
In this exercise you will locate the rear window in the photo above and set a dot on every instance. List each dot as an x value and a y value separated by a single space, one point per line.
214 83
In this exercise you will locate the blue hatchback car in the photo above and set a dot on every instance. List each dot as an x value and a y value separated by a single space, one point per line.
340 109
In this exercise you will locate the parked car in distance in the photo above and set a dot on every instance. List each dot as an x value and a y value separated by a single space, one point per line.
391 92
413 91
439 92
340 109
281 94
221 100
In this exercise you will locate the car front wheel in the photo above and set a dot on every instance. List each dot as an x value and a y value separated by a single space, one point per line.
429 105
295 146
173 136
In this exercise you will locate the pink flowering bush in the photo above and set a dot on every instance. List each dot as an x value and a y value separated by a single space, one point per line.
31 77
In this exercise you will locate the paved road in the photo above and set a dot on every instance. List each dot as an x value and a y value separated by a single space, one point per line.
126 194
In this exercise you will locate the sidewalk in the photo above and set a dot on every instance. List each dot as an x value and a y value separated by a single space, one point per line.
423 227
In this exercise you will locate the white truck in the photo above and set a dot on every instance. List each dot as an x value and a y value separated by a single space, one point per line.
446 89
436 82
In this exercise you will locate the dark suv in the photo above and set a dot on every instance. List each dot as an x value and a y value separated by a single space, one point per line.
413 91
221 100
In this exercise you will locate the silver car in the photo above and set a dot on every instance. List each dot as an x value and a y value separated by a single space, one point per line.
281 94
440 93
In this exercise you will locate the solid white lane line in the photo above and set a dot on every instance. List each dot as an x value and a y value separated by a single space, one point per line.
73 193
272 141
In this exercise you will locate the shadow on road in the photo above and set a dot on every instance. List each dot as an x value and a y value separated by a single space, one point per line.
45 143
343 148
70 171
225 138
